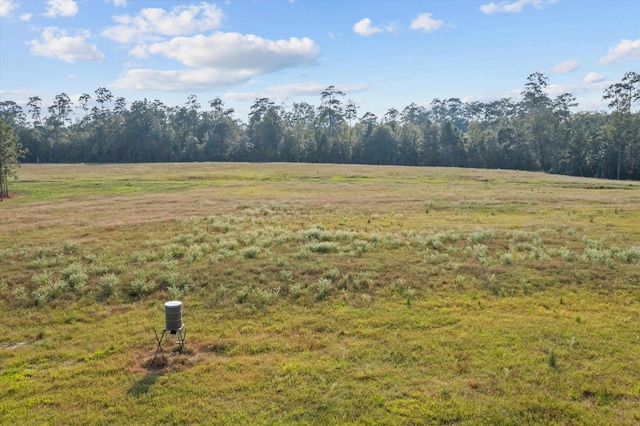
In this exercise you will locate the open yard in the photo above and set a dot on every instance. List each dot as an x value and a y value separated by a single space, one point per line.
319 294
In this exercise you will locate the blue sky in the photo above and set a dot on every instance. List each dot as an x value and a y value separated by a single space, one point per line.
382 54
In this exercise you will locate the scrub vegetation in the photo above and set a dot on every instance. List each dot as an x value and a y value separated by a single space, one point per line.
319 294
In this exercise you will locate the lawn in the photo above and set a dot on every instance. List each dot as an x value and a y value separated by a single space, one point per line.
319 294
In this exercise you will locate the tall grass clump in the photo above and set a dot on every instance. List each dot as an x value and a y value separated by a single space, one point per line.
552 359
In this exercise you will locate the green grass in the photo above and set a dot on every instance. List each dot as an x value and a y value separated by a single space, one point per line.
319 294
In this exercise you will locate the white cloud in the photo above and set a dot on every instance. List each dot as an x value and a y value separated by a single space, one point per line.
6 6
593 77
139 51
513 6
425 22
216 61
203 79
364 28
566 66
25 17
56 43
61 8
151 24
554 90
626 49
119 3
234 51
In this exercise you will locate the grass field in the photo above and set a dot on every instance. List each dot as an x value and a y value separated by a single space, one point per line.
319 294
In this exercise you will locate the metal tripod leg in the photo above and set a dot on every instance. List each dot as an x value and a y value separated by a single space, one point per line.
182 334
159 347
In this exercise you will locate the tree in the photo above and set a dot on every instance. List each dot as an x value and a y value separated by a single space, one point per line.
265 129
380 146
83 102
533 94
35 108
452 152
538 120
60 111
10 154
11 113
103 96
621 96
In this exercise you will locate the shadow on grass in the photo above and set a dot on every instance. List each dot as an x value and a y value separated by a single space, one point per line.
143 385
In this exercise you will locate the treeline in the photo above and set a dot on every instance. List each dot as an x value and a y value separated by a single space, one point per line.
537 133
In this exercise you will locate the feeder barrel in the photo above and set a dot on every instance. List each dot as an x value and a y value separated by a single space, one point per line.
173 315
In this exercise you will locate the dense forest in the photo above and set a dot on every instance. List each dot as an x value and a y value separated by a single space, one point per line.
536 133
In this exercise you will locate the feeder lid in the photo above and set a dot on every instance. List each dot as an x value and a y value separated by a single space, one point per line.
173 303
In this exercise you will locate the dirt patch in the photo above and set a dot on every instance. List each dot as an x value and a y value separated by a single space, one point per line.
164 362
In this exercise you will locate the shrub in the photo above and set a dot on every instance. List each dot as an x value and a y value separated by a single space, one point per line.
479 251
408 295
630 255
323 288
596 255
139 287
286 277
565 254
506 258
295 291
42 295
175 293
20 294
360 247
304 253
333 274
267 296
42 279
97 270
323 247
480 236
173 251
317 233
70 246
107 285
250 252
195 252
76 277
242 295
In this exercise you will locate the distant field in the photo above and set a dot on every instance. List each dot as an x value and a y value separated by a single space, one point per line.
319 294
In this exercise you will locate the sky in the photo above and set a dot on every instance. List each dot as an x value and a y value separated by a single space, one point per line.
381 53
